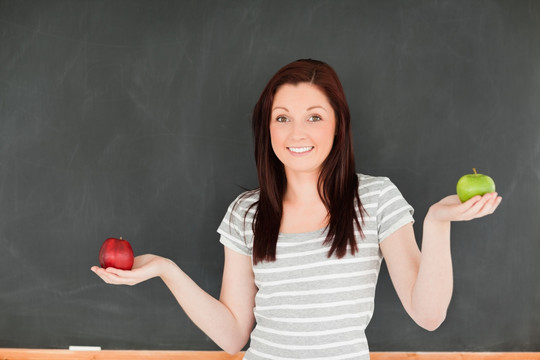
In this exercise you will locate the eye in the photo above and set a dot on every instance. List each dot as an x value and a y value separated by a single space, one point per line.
314 118
282 119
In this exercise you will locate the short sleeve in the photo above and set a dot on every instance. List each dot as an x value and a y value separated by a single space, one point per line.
393 211
235 228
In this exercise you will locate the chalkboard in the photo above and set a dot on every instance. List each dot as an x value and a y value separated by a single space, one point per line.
132 119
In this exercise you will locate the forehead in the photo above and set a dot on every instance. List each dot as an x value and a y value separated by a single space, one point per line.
300 94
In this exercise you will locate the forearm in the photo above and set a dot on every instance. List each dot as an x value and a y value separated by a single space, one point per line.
434 284
423 279
212 316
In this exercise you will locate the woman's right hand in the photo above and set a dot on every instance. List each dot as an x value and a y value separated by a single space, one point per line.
144 267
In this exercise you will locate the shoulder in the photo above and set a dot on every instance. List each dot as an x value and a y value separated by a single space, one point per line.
236 227
245 202
378 191
244 207
369 183
384 204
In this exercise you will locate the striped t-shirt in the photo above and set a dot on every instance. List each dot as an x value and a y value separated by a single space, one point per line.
309 306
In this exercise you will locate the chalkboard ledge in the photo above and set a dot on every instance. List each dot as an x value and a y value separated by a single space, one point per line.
48 354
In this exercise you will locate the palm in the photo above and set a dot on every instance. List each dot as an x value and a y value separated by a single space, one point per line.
452 209
144 267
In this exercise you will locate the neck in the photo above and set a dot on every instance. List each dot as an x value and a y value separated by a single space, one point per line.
302 188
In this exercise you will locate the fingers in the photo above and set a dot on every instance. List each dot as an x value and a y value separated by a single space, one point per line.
114 276
491 205
480 206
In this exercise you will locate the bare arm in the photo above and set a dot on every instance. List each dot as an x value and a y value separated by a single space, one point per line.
424 280
227 321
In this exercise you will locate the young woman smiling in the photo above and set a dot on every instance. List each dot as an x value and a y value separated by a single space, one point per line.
303 251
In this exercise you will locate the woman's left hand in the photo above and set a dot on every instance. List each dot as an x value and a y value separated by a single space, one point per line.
452 209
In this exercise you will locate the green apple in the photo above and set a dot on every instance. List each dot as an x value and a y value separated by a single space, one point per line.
471 185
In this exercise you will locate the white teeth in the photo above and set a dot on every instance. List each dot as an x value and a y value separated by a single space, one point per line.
299 150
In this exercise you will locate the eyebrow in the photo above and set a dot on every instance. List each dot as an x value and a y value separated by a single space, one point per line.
316 107
308 109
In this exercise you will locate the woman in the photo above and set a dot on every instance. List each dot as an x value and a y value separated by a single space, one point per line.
302 252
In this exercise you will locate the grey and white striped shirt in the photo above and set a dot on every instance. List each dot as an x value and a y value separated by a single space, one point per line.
310 306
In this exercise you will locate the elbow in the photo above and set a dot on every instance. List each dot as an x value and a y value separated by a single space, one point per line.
432 325
232 349
429 317
432 322
235 345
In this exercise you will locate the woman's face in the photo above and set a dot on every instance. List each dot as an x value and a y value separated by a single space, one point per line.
302 127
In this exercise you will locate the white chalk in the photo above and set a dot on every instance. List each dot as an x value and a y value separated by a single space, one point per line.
84 348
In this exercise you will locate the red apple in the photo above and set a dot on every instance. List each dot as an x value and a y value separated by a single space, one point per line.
116 253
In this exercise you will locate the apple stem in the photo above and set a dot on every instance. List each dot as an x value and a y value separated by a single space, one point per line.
474 169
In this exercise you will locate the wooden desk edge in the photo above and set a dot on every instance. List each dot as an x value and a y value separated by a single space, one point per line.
53 354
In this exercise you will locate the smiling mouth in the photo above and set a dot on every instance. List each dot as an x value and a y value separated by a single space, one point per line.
300 150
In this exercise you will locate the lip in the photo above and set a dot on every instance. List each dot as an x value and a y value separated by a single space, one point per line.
300 150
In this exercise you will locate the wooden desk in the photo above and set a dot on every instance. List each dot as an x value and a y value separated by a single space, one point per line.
47 354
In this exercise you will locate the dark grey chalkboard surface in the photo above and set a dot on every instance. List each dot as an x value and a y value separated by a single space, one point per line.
132 118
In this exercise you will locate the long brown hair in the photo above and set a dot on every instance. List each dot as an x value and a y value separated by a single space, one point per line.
338 182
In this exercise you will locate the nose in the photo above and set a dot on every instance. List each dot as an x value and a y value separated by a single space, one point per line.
298 130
